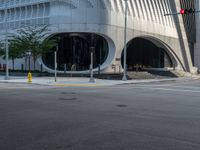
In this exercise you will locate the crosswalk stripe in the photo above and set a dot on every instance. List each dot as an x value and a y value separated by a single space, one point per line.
165 88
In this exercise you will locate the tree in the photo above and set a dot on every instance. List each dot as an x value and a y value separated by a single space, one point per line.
2 52
15 51
33 39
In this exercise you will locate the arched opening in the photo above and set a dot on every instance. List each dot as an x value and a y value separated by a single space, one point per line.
74 51
143 53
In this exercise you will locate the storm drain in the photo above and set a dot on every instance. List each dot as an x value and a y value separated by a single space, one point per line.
68 93
122 105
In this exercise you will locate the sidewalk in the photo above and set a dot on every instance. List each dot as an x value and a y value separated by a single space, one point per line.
83 81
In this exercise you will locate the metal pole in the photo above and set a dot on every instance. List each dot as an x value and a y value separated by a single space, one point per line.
65 68
6 44
29 62
28 54
91 67
100 62
55 59
125 40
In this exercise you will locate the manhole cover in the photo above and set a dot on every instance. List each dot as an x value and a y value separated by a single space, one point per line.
65 93
121 105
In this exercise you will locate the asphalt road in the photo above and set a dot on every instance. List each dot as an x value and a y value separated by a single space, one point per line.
159 116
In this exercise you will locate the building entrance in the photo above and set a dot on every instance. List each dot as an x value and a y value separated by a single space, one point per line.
142 53
74 51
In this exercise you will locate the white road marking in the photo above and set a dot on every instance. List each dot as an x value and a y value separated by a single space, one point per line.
172 86
168 89
22 87
165 88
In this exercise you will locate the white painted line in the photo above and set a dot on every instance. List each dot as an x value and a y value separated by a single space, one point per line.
167 89
168 85
150 87
3 88
189 87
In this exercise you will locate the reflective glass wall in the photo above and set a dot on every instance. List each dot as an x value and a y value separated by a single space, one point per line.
74 51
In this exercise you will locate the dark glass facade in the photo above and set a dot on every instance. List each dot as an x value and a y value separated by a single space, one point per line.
144 53
74 51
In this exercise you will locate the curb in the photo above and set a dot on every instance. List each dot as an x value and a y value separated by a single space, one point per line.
99 84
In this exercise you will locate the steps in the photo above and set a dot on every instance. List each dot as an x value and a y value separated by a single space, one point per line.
151 74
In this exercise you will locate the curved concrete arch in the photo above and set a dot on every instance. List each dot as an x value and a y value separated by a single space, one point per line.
107 62
161 44
167 48
111 52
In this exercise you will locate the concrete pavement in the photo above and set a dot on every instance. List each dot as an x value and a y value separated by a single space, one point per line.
84 81
149 116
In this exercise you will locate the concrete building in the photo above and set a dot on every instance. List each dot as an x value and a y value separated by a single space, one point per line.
154 41
197 40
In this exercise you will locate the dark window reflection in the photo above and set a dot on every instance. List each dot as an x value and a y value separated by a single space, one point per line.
74 51
143 53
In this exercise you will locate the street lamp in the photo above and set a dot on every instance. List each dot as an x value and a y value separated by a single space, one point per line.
125 40
91 65
55 63
29 60
6 42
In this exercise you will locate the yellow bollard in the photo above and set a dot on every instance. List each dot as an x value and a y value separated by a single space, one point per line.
29 77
